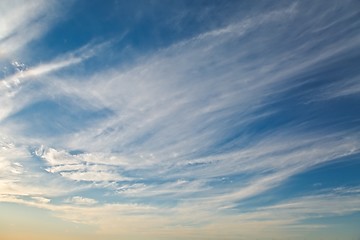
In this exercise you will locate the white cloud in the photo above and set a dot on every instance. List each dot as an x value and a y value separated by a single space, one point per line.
21 176
175 189
344 88
61 62
93 176
15 98
315 206
76 167
148 105
170 119
81 201
41 199
22 22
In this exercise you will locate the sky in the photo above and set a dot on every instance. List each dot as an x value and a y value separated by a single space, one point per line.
174 120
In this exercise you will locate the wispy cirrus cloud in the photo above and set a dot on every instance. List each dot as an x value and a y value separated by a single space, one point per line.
22 22
15 95
181 135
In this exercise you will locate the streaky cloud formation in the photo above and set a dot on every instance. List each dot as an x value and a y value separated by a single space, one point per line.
237 120
23 22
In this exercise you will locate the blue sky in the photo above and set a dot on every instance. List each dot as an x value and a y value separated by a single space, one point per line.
180 119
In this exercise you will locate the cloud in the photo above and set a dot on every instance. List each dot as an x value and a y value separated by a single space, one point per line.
345 88
22 22
69 59
334 203
76 167
21 176
227 91
195 128
81 201
15 94
41 199
285 219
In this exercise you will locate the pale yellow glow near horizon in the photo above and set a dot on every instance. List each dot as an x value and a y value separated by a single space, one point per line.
19 222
